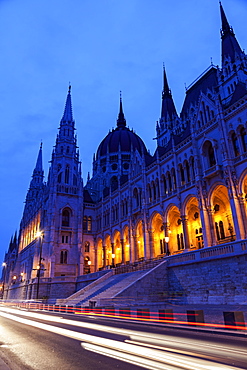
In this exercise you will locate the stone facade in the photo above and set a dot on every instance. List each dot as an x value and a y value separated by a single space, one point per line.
190 194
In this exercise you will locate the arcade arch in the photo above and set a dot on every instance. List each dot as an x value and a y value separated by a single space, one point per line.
100 255
222 215
139 241
176 238
158 235
117 248
126 244
194 223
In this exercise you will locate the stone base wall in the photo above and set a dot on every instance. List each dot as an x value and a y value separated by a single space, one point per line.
152 287
221 281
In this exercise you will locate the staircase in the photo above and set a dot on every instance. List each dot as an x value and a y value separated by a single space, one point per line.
105 289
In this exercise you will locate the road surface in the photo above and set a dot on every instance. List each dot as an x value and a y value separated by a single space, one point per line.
39 340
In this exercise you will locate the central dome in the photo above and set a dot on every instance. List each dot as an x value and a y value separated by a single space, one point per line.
121 139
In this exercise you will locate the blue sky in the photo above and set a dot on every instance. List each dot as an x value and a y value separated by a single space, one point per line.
101 47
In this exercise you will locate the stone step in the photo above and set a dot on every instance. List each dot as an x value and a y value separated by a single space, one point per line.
116 287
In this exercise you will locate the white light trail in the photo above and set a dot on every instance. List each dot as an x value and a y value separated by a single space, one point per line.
147 357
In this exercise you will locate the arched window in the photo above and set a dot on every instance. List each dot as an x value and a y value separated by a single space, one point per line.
235 144
182 175
87 247
89 223
63 257
136 198
150 193
59 178
158 188
211 155
154 190
65 218
85 223
187 167
193 167
114 183
67 175
243 138
174 179
169 181
165 186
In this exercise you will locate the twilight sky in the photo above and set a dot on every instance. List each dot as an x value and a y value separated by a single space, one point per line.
101 47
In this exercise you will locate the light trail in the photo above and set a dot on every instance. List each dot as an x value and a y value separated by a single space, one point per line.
150 358
157 339
122 350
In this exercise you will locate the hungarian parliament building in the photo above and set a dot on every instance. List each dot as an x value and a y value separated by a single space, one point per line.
190 194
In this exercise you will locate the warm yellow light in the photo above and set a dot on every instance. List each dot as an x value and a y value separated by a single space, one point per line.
113 255
138 242
89 263
127 245
166 239
169 231
14 277
38 267
4 264
38 234
22 273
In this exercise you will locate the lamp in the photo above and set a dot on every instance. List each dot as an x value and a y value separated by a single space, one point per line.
167 239
39 235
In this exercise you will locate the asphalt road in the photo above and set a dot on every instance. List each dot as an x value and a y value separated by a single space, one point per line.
35 340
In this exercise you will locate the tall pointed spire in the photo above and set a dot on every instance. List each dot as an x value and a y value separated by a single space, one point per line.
38 173
166 91
168 109
68 115
230 45
39 164
121 121
67 125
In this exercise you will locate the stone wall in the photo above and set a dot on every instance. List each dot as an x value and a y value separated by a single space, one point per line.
152 287
221 281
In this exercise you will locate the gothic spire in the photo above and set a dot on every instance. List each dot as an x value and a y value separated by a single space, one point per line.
39 164
38 173
121 121
168 109
67 125
230 45
68 115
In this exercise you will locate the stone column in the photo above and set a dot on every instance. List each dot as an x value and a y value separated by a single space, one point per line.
135 249
123 251
95 258
167 234
237 218
185 231
146 242
205 226
212 227
104 256
243 213
113 252
131 245
151 242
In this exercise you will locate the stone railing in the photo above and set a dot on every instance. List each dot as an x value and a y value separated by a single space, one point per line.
219 251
